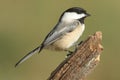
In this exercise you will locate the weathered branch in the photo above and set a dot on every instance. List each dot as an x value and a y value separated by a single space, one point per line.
81 62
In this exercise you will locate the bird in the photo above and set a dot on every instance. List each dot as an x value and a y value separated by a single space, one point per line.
65 34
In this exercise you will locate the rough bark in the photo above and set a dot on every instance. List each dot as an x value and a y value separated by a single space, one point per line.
82 61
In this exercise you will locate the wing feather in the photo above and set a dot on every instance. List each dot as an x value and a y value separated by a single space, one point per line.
59 31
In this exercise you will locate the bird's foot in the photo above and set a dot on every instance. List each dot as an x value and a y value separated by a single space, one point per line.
68 53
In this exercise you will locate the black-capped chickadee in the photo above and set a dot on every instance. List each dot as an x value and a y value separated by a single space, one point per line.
67 31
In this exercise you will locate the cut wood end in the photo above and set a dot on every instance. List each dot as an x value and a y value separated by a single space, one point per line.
95 42
98 58
100 47
98 34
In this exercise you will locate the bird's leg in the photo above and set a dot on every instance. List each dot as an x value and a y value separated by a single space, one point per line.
80 42
76 45
68 53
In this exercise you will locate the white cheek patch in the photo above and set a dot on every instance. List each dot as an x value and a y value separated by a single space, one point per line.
81 15
68 16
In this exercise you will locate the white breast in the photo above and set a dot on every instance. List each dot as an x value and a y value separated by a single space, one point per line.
70 38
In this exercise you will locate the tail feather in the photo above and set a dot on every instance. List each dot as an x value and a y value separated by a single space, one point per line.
36 50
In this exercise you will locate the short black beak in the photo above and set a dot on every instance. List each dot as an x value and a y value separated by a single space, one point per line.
87 15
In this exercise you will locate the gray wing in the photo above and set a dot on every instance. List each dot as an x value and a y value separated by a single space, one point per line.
59 31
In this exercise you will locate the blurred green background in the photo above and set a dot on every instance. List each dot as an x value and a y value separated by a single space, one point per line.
25 23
